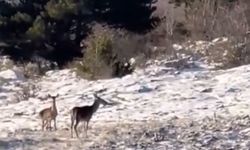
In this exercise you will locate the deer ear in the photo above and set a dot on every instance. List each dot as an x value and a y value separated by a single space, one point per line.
57 95
49 95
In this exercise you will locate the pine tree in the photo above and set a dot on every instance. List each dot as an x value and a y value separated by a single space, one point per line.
54 28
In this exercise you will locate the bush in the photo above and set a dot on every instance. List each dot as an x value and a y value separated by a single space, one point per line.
53 28
37 67
37 31
209 19
58 9
6 63
21 17
107 53
97 56
229 54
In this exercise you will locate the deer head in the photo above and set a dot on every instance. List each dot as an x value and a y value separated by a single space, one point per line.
100 100
53 97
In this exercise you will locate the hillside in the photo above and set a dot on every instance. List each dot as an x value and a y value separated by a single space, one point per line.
157 107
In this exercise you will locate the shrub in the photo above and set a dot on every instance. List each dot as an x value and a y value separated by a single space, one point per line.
58 9
37 30
6 63
107 53
31 70
37 67
21 17
209 19
221 52
230 54
97 55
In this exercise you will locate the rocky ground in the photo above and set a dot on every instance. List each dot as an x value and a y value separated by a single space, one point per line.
173 134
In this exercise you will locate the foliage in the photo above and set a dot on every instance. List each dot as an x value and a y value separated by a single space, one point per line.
6 63
210 19
37 30
98 55
21 17
54 29
135 15
58 10
108 52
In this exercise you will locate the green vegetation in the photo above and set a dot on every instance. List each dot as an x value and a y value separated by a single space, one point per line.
38 31
53 29
98 55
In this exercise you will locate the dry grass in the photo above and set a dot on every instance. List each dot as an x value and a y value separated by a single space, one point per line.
175 133
209 19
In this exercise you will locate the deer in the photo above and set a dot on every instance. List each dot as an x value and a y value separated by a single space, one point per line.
49 114
84 114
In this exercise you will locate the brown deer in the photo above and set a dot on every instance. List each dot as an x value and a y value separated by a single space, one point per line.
84 114
49 114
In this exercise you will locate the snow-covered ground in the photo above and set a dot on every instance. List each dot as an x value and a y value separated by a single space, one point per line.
157 93
154 92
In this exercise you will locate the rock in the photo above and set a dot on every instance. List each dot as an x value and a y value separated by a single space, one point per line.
220 39
245 131
14 98
177 47
18 114
233 90
180 63
145 89
12 75
208 90
132 61
208 139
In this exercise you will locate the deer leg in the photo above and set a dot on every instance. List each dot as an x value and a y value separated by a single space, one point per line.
49 125
71 127
55 124
84 125
86 130
43 121
75 127
45 125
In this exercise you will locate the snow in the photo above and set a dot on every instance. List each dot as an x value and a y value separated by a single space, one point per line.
153 92
9 75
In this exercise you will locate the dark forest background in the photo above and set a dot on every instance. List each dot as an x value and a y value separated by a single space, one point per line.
53 29
63 31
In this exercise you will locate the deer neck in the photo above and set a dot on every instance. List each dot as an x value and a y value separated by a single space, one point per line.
53 108
95 106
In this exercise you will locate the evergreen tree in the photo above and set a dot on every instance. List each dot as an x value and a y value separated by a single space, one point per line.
134 15
54 28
